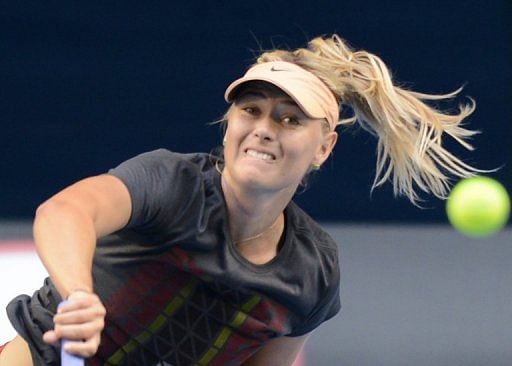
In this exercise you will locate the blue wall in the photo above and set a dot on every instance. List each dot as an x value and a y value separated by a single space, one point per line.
86 86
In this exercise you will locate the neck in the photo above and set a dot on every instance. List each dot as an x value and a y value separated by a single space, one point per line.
253 214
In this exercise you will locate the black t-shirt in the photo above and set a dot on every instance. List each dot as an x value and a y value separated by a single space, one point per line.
177 290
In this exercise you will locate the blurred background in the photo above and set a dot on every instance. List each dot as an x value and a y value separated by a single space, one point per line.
87 85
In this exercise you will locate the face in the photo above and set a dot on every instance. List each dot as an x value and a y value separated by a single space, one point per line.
270 143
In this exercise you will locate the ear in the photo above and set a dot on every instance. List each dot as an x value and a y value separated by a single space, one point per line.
326 148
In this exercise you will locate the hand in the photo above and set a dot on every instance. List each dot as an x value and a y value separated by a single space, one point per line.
80 321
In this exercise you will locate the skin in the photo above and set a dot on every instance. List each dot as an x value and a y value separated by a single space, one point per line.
257 190
266 120
65 231
17 353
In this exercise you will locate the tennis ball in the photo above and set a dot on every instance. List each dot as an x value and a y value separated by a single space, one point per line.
478 206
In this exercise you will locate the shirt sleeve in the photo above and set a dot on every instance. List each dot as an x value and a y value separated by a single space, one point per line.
327 308
163 186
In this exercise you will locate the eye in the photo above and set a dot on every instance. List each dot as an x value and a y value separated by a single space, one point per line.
290 121
251 110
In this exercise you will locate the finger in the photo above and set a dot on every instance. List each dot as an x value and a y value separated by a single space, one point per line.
79 331
78 302
82 348
81 315
50 337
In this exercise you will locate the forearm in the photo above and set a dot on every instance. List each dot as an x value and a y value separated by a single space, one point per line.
278 352
65 240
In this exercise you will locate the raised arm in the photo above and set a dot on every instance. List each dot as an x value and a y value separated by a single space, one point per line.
66 228
67 225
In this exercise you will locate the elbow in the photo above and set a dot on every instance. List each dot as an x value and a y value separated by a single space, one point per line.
59 211
51 207
48 212
43 210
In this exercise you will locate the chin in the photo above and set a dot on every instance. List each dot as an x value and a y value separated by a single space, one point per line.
258 179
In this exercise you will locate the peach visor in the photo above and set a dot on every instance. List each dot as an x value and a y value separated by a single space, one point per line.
306 89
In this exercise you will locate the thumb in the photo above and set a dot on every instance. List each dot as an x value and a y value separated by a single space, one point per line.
50 337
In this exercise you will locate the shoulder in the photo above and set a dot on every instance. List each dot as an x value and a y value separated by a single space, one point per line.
315 256
162 163
308 230
165 156
165 185
314 248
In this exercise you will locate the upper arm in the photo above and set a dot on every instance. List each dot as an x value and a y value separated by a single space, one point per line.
280 351
104 199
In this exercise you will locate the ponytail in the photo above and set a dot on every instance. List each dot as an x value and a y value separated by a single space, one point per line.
409 131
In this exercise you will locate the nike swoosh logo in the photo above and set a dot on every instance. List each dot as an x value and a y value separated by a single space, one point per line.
274 69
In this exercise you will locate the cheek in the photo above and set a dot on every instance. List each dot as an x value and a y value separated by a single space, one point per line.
304 147
234 126
228 147
229 131
299 159
232 136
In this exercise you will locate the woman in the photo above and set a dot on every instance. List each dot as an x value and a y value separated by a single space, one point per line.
205 260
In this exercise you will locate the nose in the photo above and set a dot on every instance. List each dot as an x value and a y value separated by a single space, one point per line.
265 129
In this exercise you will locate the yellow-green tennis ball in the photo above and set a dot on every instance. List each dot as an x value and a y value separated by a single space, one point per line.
478 206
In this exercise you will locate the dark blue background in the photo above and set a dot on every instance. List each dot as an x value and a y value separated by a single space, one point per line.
87 85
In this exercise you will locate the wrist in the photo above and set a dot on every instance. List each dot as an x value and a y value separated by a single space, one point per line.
84 290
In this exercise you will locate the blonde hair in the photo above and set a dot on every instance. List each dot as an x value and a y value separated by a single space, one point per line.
409 132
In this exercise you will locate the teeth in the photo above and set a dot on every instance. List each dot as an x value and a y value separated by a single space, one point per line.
259 155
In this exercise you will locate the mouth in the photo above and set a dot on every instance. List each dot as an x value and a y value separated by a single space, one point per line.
260 155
